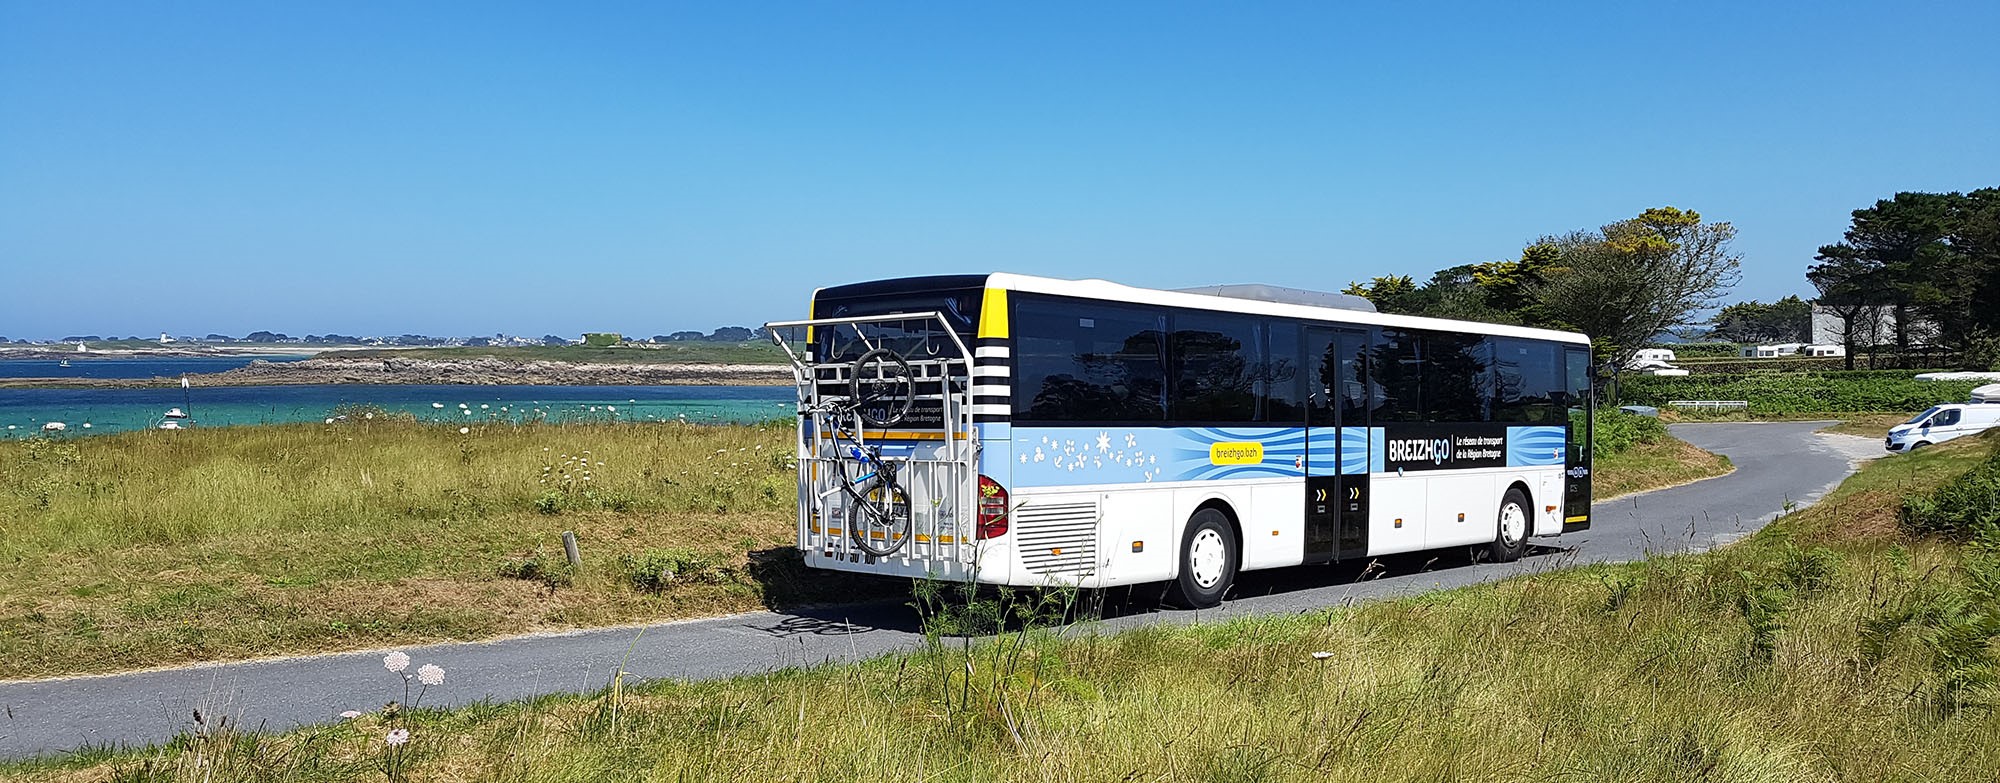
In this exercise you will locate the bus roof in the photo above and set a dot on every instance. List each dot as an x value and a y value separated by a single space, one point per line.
1107 290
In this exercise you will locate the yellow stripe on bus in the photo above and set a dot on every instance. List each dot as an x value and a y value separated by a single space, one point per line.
993 313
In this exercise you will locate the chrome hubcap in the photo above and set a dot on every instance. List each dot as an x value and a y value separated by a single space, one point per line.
1205 558
1513 524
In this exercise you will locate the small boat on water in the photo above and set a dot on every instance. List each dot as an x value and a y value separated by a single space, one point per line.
175 419
63 363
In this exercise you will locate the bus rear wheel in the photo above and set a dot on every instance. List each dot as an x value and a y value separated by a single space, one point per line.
1208 561
1510 541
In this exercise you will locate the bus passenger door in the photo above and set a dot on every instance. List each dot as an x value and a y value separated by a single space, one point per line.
1336 435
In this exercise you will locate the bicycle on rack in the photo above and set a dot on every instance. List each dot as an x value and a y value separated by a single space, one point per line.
881 391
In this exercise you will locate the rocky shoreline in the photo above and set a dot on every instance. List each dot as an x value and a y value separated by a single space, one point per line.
469 372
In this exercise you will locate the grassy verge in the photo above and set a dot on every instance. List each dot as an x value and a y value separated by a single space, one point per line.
1635 453
753 352
1828 647
136 550
1665 462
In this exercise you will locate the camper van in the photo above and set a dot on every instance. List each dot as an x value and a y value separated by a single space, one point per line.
1942 423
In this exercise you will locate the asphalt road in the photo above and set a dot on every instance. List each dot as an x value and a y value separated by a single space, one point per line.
1776 463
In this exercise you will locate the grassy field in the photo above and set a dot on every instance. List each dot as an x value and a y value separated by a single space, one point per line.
752 352
1831 646
137 550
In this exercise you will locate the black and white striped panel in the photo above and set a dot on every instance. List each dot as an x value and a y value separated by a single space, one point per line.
992 381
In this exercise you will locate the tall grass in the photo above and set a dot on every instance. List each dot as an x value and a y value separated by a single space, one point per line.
151 547
1808 653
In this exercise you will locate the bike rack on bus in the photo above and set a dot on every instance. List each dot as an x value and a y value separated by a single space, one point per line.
939 465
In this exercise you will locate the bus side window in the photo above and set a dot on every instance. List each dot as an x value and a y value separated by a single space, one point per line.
1528 382
1282 388
1397 373
1215 359
1089 361
1576 371
1456 383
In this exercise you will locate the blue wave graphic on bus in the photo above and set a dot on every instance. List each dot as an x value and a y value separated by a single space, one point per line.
1533 446
1063 456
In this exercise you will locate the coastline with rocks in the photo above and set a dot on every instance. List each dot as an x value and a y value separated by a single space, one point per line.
482 371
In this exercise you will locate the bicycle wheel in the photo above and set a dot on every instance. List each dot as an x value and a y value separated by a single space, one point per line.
883 386
878 517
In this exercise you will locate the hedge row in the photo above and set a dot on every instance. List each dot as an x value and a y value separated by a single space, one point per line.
1967 506
1617 431
1787 393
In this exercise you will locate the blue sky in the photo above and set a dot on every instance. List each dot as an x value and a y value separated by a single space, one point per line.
530 168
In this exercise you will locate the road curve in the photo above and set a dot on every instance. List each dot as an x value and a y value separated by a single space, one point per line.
1777 464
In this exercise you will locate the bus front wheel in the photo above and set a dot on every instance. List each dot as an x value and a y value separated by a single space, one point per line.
1510 541
1208 561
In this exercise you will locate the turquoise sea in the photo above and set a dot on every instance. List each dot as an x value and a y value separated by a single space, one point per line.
84 365
23 412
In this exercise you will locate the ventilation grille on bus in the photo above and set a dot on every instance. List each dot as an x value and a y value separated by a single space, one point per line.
1057 538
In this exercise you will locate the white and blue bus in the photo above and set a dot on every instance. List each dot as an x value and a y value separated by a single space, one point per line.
1015 430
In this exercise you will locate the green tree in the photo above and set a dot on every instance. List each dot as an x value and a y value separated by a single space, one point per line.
1903 240
1635 278
1509 285
1389 293
1849 287
1786 320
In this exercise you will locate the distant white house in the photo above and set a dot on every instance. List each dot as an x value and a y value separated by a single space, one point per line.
166 338
1871 327
1772 351
1826 350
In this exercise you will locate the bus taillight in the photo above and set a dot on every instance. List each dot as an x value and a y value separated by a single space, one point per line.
992 509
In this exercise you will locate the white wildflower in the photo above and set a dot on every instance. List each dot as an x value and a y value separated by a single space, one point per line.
612 408
437 404
431 674
1321 656
350 715
461 405
464 430
396 661
365 416
329 421
397 737
482 406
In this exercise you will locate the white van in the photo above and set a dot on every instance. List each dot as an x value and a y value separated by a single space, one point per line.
1942 423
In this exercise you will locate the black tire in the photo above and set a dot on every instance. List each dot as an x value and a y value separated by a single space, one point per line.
1510 537
1918 445
1201 585
877 508
885 396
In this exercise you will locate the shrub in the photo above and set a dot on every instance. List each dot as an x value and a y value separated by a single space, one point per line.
1966 506
536 567
1617 431
1704 350
655 570
1788 393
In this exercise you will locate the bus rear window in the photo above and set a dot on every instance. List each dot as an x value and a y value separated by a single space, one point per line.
916 338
